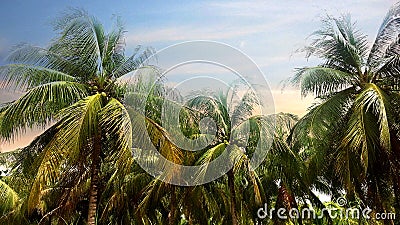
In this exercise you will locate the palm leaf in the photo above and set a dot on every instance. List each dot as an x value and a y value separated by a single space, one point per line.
370 110
387 38
139 59
77 126
38 106
322 81
82 39
33 56
340 44
317 124
25 77
8 198
116 123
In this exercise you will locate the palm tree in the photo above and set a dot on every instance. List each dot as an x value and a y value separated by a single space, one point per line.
152 206
354 127
72 84
232 121
283 175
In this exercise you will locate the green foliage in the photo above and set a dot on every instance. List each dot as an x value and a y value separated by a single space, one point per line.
82 166
354 127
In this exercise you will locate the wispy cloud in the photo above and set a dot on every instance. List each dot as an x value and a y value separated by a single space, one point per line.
224 20
278 8
264 16
187 32
258 9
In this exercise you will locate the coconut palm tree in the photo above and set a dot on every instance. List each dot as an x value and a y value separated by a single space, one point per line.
283 175
233 121
143 193
159 202
72 84
351 134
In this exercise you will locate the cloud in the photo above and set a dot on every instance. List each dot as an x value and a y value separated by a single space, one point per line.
268 31
240 18
224 21
188 32
273 8
258 9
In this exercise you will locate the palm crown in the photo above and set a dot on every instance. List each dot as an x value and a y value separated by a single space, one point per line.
74 84
83 165
354 124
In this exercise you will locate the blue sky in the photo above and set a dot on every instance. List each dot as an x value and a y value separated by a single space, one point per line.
269 32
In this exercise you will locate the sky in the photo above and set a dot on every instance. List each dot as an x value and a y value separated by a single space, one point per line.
269 32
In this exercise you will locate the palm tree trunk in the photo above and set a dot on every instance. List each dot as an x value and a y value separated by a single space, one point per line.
94 184
231 185
172 211
294 204
287 200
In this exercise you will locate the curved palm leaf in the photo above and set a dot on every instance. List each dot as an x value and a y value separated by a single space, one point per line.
38 106
25 77
322 81
8 198
78 124
386 38
340 44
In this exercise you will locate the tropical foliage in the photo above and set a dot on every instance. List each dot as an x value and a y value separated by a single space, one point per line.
83 168
350 138
72 87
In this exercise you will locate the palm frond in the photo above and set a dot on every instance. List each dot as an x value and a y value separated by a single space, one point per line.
140 58
340 44
8 197
321 120
149 139
25 77
244 109
386 41
369 124
206 158
214 108
322 81
362 134
116 123
81 41
358 148
284 123
34 56
378 101
113 49
389 70
25 160
38 106
78 124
